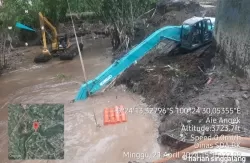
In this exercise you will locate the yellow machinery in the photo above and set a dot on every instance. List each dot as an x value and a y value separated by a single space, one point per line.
60 45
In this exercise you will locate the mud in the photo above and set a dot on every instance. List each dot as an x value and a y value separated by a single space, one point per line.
168 80
85 29
175 12
180 82
167 12
174 80
164 78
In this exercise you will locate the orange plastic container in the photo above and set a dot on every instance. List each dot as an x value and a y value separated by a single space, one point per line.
117 114
112 116
106 116
123 114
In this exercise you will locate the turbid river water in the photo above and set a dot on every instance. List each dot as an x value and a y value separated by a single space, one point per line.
58 82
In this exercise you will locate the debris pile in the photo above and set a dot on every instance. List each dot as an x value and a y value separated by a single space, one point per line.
168 80
85 29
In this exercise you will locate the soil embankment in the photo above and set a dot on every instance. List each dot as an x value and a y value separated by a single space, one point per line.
196 80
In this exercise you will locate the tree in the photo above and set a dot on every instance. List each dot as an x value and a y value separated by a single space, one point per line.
121 16
13 11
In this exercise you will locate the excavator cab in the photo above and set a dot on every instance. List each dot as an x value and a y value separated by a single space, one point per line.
63 41
196 32
60 45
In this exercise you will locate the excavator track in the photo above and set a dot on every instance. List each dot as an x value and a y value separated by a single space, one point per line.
41 58
70 53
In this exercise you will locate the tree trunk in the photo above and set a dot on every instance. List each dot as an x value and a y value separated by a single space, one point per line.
232 34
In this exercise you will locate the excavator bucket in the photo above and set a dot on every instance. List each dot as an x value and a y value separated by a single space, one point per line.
44 57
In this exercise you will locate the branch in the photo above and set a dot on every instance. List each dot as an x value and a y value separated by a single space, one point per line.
146 13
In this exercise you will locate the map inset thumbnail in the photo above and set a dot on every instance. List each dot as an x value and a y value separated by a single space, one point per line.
36 131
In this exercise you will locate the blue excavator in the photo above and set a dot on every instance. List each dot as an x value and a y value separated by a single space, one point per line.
192 34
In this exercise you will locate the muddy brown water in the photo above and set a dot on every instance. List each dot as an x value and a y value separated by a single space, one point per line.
58 82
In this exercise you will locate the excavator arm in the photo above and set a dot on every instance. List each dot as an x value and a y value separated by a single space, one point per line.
113 71
67 52
44 21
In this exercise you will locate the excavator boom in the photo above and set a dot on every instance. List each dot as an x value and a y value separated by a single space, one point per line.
112 72
46 55
61 45
45 21
106 77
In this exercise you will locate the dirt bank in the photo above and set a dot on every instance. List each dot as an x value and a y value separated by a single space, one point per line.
195 80
168 80
167 12
180 73
85 29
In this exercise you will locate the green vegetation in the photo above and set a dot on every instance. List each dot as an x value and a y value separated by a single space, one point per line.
119 15
14 10
63 77
109 11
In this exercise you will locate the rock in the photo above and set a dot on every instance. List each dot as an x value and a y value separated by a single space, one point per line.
237 103
244 87
245 96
